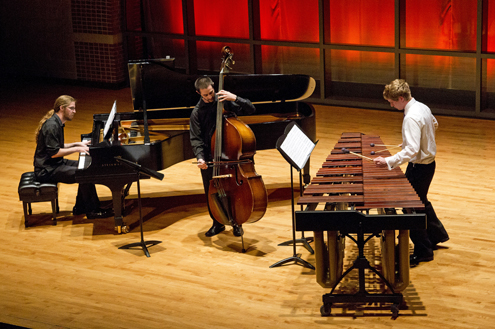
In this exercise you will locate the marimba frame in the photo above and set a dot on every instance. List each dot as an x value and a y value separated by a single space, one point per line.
329 255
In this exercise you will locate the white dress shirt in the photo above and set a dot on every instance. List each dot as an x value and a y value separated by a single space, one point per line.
418 136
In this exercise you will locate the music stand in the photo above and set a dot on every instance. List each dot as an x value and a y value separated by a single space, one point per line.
296 149
304 240
151 173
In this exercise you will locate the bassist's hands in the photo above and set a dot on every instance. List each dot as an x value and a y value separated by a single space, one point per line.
202 164
224 95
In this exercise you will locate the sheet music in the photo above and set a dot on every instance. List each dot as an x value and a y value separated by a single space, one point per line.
110 119
298 146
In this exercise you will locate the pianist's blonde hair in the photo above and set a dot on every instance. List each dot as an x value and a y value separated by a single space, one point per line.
61 101
397 88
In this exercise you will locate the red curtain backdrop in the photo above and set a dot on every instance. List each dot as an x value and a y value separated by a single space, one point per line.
222 18
429 24
441 72
490 27
289 20
362 22
490 44
164 16
290 60
441 24
219 18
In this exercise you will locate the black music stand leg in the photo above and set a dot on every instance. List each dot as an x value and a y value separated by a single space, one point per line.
305 241
143 244
309 239
295 257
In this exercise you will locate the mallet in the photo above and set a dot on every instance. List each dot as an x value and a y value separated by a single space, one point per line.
359 155
373 152
373 145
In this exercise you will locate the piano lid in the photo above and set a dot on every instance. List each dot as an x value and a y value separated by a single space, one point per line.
163 86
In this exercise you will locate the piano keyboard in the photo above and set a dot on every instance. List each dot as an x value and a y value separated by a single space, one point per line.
84 160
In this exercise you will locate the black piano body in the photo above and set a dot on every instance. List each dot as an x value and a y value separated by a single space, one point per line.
164 98
104 169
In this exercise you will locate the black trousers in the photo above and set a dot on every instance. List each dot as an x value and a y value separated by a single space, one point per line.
420 177
86 199
206 175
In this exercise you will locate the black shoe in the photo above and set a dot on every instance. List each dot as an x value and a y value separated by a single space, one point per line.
434 243
414 260
99 213
237 230
76 211
215 229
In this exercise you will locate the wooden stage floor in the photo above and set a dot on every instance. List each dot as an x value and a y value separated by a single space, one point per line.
74 276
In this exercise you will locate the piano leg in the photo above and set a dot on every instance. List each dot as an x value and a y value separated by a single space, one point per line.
120 226
118 199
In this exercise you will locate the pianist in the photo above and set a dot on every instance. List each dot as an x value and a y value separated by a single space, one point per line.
49 162
202 128
419 150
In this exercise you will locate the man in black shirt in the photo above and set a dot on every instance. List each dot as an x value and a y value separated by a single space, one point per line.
202 128
49 162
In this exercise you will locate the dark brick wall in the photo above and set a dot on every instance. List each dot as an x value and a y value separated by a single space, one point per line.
98 40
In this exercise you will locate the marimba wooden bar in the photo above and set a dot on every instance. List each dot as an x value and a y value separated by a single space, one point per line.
339 200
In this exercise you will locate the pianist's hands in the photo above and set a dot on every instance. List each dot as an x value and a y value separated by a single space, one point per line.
83 143
82 147
224 95
202 164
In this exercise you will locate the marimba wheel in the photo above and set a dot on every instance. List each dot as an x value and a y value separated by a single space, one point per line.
326 309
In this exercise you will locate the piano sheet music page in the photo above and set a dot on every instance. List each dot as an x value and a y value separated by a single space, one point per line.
298 146
111 116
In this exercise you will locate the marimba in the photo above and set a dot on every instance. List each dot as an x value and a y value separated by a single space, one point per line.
341 201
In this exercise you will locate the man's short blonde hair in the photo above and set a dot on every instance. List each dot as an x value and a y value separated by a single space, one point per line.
397 88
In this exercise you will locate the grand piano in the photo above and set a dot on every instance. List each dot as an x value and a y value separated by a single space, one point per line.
156 134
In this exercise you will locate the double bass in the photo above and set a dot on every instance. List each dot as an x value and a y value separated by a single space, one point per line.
236 194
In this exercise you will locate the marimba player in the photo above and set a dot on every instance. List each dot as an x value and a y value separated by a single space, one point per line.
419 150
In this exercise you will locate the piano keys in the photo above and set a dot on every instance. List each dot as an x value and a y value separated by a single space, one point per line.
350 195
163 99
84 159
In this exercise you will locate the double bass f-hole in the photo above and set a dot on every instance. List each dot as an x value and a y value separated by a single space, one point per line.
238 182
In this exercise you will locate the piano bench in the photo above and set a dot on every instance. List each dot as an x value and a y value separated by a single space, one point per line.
32 191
